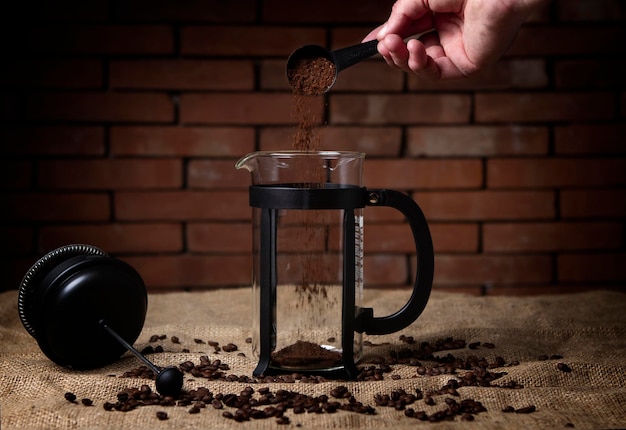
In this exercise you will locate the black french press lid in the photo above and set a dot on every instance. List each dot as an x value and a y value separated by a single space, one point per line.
66 295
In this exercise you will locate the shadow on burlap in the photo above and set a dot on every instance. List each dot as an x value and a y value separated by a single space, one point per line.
587 329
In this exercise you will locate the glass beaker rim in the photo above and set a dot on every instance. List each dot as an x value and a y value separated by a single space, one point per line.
303 153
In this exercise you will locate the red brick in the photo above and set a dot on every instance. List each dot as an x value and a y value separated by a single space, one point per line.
182 205
423 174
116 238
511 237
15 174
389 109
592 203
251 108
569 40
215 174
385 269
182 74
505 74
16 239
55 207
56 73
189 10
52 140
370 76
184 271
182 141
561 172
373 141
220 238
544 107
326 11
476 141
605 267
273 75
590 139
91 106
396 238
598 10
100 39
486 205
111 174
596 73
247 41
493 269
381 214
343 37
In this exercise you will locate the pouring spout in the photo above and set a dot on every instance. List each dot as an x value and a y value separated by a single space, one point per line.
247 162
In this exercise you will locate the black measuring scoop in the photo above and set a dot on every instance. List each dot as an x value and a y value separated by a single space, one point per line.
340 59
318 61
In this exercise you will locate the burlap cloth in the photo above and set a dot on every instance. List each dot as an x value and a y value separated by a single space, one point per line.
587 329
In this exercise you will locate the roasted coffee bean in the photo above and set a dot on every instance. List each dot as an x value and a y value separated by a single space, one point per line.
175 339
508 409
147 350
230 347
556 357
154 338
563 367
87 402
194 410
162 415
526 410
217 404
198 341
70 397
282 420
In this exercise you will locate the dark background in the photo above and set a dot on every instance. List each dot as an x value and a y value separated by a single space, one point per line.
120 122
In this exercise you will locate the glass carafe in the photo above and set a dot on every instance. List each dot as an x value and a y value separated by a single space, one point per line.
307 279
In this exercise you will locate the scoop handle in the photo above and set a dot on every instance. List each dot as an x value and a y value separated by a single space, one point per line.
349 56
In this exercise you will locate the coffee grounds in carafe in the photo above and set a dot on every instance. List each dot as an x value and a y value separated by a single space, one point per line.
303 355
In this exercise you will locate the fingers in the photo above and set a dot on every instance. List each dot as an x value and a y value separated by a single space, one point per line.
411 57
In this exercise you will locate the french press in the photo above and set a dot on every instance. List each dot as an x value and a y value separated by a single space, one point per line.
307 279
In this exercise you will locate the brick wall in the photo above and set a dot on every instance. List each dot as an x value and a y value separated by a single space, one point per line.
121 122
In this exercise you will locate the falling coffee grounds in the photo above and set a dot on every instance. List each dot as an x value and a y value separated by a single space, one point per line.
310 78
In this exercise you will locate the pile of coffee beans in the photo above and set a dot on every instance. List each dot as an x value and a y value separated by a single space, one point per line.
265 404
262 403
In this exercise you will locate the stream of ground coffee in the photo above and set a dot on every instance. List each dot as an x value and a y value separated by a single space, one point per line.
311 77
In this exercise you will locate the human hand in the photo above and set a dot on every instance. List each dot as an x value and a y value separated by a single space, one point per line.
469 34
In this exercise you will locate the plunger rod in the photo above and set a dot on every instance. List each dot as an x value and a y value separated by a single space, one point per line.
129 347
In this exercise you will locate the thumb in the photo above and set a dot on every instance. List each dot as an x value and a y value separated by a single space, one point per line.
404 14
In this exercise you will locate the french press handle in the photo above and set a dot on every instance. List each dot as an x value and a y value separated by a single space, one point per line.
365 320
